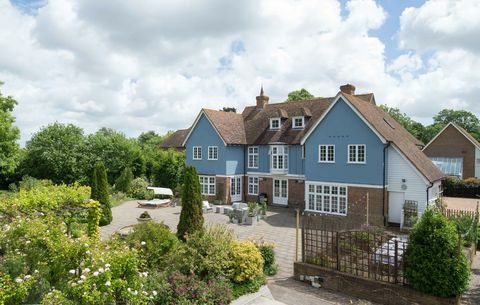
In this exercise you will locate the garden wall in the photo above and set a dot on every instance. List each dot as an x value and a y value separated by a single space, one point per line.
379 292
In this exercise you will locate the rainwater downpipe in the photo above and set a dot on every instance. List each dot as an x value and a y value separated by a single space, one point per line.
384 179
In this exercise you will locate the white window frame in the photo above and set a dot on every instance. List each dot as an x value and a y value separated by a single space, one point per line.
327 153
253 156
207 185
294 125
279 158
326 198
212 152
197 153
356 154
253 185
275 120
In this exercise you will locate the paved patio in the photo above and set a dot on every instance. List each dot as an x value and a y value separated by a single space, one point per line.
279 228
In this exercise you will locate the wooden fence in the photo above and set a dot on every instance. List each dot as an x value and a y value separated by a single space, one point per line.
365 252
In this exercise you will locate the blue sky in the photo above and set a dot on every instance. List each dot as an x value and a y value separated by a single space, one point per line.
152 65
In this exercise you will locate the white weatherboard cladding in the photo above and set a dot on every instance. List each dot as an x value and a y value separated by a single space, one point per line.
399 169
477 162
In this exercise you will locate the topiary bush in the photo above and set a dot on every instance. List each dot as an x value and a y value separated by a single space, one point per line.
434 263
153 241
124 181
247 261
101 194
191 216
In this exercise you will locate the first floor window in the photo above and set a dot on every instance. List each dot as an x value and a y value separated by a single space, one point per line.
330 199
253 157
212 152
197 153
207 185
326 153
252 185
279 157
449 166
356 153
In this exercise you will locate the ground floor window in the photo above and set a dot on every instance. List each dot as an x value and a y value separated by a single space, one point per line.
327 198
252 185
449 166
207 185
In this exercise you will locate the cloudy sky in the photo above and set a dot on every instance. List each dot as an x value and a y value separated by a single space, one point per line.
152 64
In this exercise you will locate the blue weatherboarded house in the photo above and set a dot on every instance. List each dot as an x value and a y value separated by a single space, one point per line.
340 156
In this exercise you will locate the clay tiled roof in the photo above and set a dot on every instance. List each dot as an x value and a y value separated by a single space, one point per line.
257 122
229 125
175 140
392 131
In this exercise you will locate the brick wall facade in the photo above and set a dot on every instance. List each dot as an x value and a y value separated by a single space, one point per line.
357 208
451 143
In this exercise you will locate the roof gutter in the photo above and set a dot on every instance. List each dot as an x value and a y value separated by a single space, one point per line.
428 188
387 145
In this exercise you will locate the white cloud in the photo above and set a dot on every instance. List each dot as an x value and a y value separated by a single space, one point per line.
141 65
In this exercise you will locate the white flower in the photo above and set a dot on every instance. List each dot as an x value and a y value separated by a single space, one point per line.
83 277
72 271
101 270
135 292
27 242
80 281
86 270
128 289
18 280
95 273
27 276
107 265
35 271
145 274
143 243
154 292
107 283
87 252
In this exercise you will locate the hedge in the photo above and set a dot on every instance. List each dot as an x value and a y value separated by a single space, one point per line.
455 187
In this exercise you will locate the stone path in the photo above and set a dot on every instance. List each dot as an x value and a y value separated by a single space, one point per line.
279 228
473 294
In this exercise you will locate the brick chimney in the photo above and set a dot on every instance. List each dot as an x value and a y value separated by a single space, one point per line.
262 100
348 89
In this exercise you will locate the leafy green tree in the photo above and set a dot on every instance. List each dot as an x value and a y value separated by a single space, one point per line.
191 216
101 194
150 138
299 95
56 152
168 168
434 261
466 119
123 183
9 135
229 109
116 151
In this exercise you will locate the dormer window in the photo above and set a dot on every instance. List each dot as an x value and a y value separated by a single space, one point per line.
298 122
275 123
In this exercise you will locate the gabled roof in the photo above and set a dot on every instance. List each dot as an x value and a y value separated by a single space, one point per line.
395 133
175 140
252 126
465 133
228 125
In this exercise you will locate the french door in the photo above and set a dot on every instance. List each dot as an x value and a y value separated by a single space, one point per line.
280 191
236 189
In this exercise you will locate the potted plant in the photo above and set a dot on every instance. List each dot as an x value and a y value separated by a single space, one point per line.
231 216
263 210
252 213
144 217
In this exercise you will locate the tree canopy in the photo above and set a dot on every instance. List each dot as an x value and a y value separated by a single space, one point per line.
466 119
57 153
9 135
299 95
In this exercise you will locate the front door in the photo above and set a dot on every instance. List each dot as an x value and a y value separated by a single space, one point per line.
236 189
280 191
395 206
